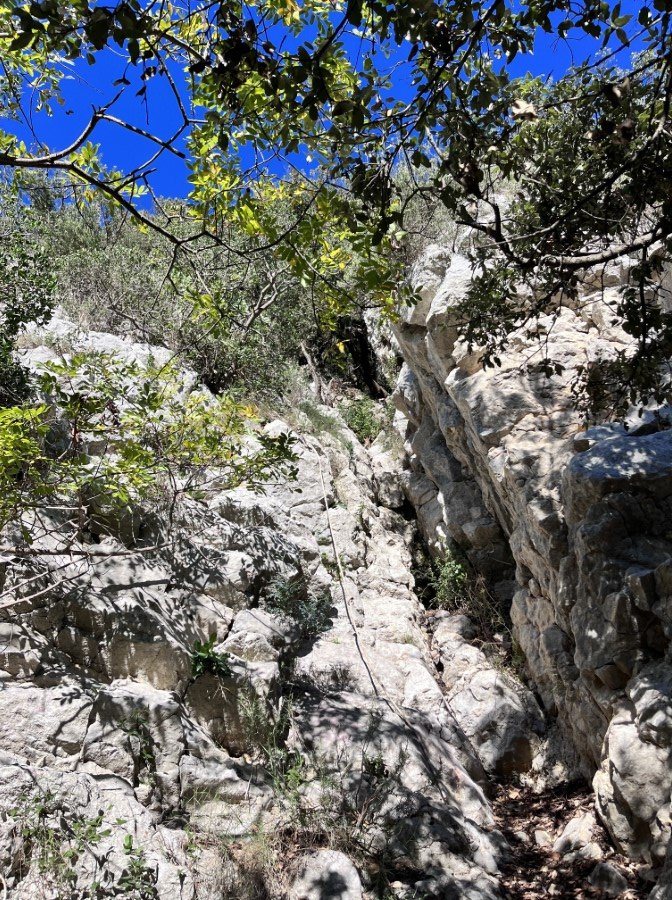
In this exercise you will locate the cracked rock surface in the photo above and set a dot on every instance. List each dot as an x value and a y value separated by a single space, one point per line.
500 468
122 770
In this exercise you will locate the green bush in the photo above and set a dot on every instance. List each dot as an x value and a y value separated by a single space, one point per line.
292 599
16 383
451 583
458 588
238 316
55 837
205 659
146 434
362 416
27 295
320 421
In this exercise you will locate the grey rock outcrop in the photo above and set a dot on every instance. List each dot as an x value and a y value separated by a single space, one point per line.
499 716
500 467
326 875
131 765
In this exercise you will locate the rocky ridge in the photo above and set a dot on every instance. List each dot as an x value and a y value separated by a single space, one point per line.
246 698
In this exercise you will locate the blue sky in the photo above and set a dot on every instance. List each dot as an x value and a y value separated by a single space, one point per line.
86 86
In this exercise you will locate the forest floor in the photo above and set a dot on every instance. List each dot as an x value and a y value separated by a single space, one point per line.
531 822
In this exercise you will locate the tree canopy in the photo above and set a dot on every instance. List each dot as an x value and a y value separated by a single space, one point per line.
294 120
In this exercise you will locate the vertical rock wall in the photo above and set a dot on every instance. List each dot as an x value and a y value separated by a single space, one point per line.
500 467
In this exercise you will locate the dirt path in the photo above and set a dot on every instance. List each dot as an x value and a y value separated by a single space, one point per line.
531 823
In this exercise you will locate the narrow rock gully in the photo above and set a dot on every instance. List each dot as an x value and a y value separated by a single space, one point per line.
557 847
416 764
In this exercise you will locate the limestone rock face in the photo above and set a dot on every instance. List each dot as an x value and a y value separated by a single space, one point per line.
124 750
500 467
499 717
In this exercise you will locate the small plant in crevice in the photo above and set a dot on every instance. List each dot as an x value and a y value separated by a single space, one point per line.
333 680
135 726
323 423
458 588
56 837
265 729
352 806
293 600
205 660
452 584
422 569
341 800
329 564
374 765
517 662
264 726
137 880
253 864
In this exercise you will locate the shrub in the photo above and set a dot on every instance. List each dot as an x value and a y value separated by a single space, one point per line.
137 879
362 417
143 434
293 600
450 583
15 380
206 660
55 837
321 422
263 726
136 727
238 317
458 588
27 294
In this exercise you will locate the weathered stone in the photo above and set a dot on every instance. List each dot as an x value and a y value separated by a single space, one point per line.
608 879
576 835
326 875
542 838
585 514
651 694
137 733
633 785
46 723
499 466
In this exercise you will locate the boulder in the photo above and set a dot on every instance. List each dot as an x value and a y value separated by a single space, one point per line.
608 879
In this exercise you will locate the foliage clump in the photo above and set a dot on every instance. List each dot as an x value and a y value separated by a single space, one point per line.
54 838
291 598
118 432
451 583
205 660
27 292
362 416
321 422
458 588
296 203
